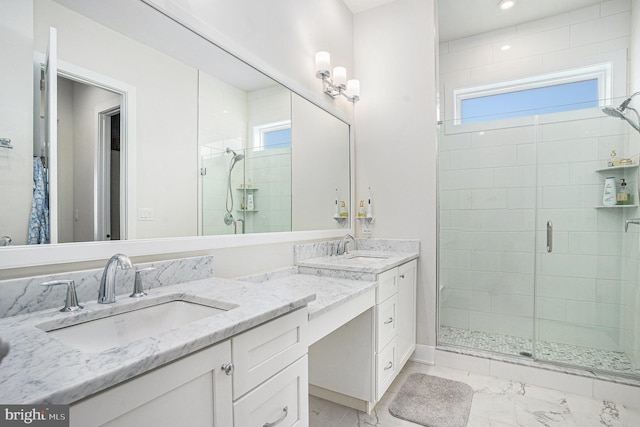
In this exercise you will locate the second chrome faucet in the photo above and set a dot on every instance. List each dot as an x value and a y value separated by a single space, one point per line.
107 289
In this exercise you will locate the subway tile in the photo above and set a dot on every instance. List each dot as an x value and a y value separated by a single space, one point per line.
580 335
560 20
614 6
485 261
512 305
515 176
566 151
570 265
519 326
608 27
521 198
466 179
554 174
566 287
490 157
528 45
488 198
517 262
592 313
584 243
467 300
454 318
466 58
551 308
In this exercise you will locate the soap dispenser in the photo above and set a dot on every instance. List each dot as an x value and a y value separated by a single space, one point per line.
623 197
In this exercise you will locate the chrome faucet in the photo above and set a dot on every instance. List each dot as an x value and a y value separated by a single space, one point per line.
342 246
107 290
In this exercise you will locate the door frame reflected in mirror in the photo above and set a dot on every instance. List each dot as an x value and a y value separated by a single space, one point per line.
127 93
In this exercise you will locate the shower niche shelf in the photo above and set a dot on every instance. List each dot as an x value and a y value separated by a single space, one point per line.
622 171
618 168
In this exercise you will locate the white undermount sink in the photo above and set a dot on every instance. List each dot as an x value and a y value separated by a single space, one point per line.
119 329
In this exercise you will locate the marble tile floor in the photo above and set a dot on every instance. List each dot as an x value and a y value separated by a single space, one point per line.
555 352
496 403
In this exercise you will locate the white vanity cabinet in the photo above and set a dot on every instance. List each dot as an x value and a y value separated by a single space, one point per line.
254 378
395 323
356 364
192 391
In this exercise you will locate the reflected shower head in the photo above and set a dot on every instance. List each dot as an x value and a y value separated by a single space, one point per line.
236 156
620 112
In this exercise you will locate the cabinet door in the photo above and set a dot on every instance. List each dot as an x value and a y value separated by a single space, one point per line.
191 391
406 311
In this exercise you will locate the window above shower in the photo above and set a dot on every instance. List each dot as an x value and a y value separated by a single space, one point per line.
562 91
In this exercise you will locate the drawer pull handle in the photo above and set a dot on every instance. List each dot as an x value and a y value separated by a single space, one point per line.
389 366
402 276
228 368
389 320
285 412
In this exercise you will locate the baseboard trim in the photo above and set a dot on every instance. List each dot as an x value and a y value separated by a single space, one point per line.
424 354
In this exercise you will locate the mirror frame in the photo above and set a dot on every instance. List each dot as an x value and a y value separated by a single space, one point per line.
40 255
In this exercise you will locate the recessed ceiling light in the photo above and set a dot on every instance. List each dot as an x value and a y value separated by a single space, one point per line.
506 4
505 47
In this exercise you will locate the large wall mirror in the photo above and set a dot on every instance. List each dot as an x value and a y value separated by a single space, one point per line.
156 132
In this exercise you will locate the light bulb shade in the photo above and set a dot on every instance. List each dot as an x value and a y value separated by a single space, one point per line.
323 64
340 77
353 88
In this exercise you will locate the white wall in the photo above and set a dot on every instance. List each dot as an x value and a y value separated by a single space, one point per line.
16 117
396 133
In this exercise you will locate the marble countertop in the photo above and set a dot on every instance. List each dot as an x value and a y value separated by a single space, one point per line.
41 369
360 261
330 292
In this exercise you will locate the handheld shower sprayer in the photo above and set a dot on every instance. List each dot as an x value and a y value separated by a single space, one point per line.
620 113
228 217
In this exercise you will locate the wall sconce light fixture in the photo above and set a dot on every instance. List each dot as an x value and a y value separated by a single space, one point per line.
338 84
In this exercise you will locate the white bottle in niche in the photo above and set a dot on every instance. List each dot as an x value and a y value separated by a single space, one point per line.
250 206
609 195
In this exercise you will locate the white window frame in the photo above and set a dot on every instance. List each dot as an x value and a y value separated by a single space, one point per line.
601 72
260 130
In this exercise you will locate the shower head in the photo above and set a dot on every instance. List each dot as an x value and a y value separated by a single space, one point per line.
235 159
620 113
236 156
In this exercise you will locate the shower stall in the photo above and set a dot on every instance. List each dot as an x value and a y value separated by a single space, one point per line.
245 190
531 263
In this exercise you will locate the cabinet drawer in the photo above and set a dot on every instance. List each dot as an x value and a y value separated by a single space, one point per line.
385 368
282 401
387 284
386 314
267 349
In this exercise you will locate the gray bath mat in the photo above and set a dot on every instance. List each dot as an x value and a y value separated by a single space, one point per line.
433 401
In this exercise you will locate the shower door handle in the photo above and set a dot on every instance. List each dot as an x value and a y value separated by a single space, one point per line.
549 236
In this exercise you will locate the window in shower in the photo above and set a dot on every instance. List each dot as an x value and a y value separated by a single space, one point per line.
272 135
550 93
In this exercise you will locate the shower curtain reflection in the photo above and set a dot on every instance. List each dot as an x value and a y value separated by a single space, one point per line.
500 290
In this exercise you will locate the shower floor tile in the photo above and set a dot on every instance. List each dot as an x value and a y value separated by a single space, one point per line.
555 352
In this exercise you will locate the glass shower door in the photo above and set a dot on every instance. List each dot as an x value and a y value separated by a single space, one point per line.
586 267
487 201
